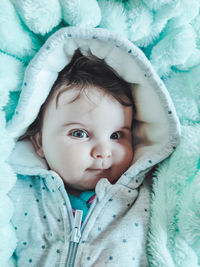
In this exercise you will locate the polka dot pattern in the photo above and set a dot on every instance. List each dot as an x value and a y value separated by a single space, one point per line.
147 75
111 212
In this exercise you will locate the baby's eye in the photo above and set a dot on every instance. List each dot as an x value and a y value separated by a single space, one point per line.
79 134
116 135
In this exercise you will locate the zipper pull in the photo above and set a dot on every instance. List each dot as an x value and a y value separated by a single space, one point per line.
76 231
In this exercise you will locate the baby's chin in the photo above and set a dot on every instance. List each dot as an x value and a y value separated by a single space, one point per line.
96 175
76 191
88 182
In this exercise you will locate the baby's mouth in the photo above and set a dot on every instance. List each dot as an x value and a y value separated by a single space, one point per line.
98 170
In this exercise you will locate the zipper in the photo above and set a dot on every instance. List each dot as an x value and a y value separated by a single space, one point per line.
77 233
76 227
75 238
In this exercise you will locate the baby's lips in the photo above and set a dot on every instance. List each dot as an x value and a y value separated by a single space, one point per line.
101 165
98 169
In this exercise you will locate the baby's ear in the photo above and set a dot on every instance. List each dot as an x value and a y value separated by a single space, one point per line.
37 143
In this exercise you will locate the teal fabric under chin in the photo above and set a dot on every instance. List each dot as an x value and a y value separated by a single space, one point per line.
82 202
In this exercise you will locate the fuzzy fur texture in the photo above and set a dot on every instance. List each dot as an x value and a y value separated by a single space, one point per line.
114 16
169 33
40 16
12 73
81 13
15 39
7 181
174 237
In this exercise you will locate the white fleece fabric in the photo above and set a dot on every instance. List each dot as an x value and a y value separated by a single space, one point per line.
114 233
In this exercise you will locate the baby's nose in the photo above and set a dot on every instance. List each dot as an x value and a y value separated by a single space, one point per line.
101 151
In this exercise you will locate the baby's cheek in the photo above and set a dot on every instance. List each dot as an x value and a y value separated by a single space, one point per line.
123 161
129 153
75 156
123 153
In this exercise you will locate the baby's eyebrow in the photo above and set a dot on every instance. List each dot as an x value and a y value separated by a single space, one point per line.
126 128
73 123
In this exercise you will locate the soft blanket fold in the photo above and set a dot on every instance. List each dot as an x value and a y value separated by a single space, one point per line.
174 238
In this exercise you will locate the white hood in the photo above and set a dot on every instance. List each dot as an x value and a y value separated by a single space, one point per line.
157 131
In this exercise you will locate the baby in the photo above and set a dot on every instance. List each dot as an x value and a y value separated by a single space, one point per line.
88 139
84 129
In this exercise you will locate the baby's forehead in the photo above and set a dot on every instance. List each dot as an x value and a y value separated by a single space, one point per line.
89 106
92 94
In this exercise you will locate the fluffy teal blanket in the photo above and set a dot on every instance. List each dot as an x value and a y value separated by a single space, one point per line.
168 31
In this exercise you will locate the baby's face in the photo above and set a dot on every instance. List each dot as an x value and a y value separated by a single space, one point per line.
87 139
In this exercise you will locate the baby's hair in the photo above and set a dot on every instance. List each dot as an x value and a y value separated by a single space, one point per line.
81 72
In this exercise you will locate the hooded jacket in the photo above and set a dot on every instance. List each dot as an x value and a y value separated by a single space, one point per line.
114 231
